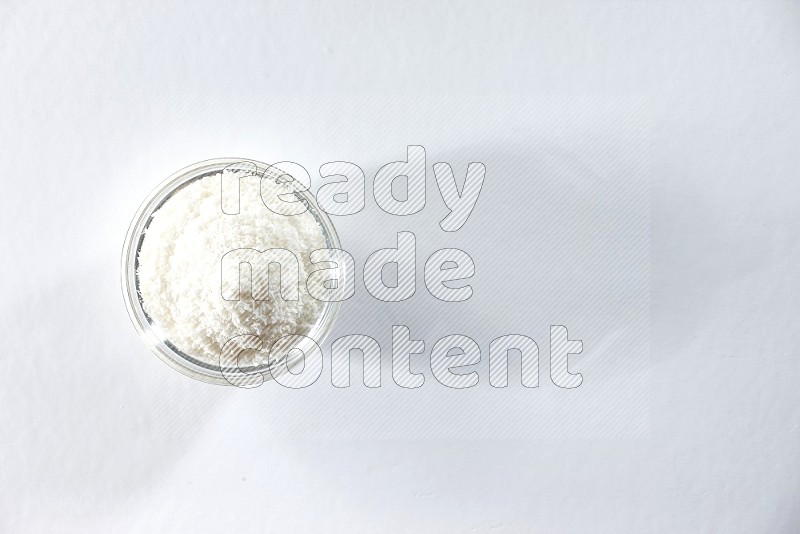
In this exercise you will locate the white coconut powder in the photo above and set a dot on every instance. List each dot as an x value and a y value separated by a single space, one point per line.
180 269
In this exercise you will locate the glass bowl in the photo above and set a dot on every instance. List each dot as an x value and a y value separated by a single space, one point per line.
149 331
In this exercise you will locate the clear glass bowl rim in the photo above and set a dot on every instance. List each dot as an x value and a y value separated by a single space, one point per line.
167 352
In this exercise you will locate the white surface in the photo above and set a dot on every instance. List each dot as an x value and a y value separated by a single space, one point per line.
100 102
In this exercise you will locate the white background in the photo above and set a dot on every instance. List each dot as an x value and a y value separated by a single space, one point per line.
99 102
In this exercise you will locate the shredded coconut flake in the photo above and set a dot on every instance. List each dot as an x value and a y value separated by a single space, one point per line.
180 269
